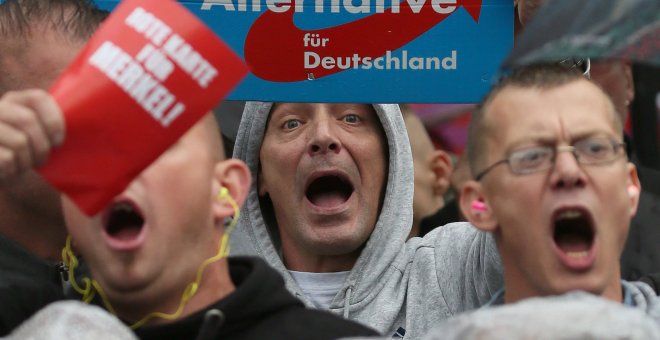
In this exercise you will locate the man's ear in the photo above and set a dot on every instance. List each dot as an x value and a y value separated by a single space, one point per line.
442 167
629 83
475 207
234 176
634 189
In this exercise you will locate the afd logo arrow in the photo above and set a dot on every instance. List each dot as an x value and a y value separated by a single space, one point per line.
280 57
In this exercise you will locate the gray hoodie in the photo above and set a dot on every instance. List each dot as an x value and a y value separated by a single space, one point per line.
575 315
395 287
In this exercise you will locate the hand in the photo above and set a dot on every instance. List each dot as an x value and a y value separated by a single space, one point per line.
31 124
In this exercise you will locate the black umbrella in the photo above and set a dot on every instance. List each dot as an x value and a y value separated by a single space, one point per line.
602 29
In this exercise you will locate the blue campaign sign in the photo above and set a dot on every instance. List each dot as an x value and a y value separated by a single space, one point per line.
386 51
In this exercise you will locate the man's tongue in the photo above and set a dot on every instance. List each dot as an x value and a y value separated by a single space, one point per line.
572 243
327 199
126 233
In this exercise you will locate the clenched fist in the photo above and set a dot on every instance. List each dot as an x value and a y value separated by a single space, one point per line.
31 124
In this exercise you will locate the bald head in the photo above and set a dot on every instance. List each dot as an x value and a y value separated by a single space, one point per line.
420 142
211 128
432 167
22 20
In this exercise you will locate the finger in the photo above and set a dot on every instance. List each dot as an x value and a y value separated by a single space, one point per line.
7 164
23 121
9 159
49 113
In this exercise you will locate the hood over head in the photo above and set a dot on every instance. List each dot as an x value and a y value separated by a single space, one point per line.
257 233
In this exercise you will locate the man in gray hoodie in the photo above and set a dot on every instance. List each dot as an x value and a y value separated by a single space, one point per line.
554 185
331 209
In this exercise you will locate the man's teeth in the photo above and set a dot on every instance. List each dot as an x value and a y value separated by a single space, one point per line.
124 207
577 254
569 214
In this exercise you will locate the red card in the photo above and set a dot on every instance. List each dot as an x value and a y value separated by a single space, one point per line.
148 74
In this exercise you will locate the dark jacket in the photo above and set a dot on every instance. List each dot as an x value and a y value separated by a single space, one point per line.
27 283
259 308
21 297
16 261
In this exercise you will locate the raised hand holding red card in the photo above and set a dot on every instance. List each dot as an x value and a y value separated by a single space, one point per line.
147 75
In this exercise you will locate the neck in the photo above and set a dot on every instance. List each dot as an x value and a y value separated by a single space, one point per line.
314 263
517 289
216 283
41 234
414 231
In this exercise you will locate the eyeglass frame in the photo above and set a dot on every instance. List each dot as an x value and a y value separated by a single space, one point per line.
616 145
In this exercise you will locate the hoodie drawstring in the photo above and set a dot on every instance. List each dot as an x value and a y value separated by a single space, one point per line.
347 300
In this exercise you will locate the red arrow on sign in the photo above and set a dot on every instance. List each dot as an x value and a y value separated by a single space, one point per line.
280 57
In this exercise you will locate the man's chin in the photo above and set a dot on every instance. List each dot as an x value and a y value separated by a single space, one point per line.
590 283
338 244
334 249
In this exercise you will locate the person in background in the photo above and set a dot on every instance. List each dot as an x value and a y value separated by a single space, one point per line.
433 169
451 212
38 39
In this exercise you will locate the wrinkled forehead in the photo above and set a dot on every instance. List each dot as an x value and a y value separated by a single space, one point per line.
38 64
569 110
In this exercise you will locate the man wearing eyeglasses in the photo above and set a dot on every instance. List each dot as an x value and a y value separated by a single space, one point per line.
553 183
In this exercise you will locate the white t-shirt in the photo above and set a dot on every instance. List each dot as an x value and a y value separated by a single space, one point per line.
320 288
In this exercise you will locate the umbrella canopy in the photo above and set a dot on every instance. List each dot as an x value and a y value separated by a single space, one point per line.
600 29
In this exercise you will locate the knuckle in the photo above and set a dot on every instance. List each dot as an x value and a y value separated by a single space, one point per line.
20 142
25 119
35 94
10 95
7 162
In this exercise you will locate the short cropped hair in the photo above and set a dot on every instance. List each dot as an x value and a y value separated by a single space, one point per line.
21 20
76 19
538 76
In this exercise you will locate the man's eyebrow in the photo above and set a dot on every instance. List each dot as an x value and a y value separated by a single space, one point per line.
533 140
588 134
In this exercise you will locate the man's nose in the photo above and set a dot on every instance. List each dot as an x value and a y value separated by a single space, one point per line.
567 172
324 137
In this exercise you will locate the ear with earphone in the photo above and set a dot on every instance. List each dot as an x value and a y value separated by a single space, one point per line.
224 195
479 206
476 208
480 215
632 191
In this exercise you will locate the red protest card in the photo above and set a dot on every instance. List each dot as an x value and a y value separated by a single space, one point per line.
150 72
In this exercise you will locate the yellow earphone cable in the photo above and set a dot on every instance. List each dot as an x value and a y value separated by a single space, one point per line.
92 286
